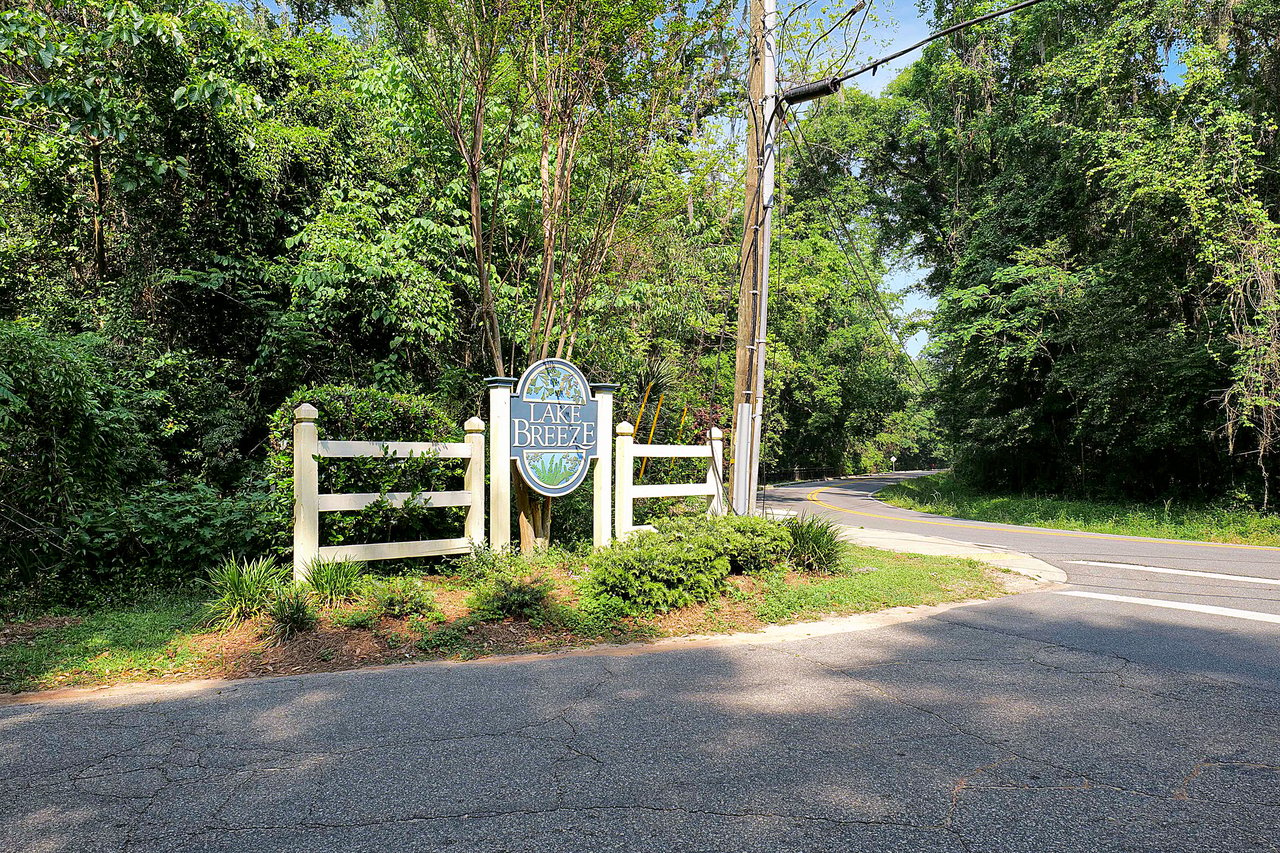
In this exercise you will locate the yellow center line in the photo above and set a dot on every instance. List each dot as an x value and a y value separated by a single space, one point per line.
812 498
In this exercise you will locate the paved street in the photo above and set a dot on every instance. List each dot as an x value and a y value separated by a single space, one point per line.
1041 722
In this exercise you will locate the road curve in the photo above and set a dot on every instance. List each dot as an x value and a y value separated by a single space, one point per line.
1203 607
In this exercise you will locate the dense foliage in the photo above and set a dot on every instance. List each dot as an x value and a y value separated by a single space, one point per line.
208 216
1095 187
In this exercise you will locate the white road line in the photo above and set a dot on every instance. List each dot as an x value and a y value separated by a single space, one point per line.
1163 571
1178 605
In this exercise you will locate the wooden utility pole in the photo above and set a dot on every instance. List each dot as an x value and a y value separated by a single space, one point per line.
748 380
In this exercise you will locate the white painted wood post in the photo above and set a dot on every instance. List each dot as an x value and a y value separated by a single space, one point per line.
715 472
622 509
500 461
473 481
742 497
602 485
306 488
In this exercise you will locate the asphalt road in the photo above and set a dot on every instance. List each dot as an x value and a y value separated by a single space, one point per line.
1041 722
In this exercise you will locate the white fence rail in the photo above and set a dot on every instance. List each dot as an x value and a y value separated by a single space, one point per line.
628 492
308 503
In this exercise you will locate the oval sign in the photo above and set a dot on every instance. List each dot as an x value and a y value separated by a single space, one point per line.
554 432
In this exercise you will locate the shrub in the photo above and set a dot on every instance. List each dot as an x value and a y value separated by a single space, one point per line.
752 544
484 563
399 597
243 588
507 595
335 581
816 545
655 572
291 611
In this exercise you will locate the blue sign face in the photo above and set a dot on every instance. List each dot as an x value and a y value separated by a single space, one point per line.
553 427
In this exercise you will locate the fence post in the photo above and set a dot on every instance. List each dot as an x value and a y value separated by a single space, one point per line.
306 488
715 472
623 507
473 481
500 461
602 484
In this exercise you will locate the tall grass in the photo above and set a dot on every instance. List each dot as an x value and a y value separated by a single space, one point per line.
942 494
816 545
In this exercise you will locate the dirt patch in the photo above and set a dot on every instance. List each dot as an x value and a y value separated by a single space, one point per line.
20 632
243 651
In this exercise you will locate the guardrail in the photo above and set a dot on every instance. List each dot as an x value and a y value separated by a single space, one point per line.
308 503
627 492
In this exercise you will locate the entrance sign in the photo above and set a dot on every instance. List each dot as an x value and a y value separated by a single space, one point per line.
548 427
554 428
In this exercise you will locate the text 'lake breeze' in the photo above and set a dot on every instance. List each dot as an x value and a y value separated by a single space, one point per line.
553 425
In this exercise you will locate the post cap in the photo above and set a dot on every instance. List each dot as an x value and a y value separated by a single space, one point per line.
305 412
474 425
716 434
604 387
501 381
625 428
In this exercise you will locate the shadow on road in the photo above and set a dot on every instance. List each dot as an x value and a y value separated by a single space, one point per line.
952 733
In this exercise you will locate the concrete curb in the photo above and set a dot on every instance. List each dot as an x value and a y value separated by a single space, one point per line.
914 543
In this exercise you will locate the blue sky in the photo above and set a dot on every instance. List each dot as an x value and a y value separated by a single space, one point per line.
891 26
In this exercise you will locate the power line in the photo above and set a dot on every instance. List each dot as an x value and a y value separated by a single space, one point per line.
831 85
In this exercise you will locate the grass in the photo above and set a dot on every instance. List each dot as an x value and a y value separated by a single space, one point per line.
145 640
170 637
875 580
942 494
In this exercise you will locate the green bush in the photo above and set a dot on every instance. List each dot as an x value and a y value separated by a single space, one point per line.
399 597
656 572
816 545
291 611
753 544
483 563
508 595
335 581
243 588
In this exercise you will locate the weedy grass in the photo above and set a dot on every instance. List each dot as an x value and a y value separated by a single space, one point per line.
126 643
816 545
292 611
942 494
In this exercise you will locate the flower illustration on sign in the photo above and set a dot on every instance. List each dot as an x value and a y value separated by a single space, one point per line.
555 384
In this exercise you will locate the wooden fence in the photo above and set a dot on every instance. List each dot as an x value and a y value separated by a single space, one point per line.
308 503
627 492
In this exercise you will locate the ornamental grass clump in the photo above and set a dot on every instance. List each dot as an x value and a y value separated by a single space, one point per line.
291 611
335 581
242 588
816 545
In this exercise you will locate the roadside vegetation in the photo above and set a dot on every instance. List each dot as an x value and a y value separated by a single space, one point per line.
692 576
944 494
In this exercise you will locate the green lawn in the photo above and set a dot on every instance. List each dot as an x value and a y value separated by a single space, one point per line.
876 580
943 495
